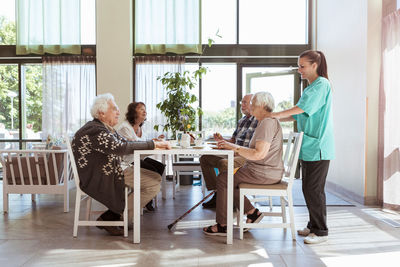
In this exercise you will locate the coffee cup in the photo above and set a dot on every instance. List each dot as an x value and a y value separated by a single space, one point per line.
198 142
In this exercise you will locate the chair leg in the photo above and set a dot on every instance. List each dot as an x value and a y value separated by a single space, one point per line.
126 214
291 216
270 203
88 208
203 185
77 210
173 184
178 181
5 201
66 201
241 211
155 201
283 209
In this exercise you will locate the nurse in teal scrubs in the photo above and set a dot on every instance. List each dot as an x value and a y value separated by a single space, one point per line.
313 114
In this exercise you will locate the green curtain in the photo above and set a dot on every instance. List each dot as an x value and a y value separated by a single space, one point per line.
48 26
163 26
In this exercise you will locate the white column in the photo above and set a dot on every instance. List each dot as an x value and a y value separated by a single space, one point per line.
114 50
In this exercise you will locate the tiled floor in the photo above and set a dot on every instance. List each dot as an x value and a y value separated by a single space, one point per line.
40 234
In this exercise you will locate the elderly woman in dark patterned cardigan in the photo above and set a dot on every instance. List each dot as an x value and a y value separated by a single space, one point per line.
98 149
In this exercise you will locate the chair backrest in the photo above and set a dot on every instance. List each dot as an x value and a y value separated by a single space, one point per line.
72 162
33 167
292 155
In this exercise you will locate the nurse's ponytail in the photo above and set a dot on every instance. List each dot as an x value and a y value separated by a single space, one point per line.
319 58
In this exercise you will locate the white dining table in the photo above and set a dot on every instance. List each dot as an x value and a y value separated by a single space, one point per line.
206 150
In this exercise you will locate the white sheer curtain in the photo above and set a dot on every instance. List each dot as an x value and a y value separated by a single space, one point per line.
389 111
69 87
48 26
150 91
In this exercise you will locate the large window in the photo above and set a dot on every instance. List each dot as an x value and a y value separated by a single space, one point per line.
219 99
282 83
258 51
273 22
20 109
258 22
218 16
7 22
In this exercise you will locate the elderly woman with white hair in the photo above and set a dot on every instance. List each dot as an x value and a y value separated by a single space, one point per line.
98 149
263 165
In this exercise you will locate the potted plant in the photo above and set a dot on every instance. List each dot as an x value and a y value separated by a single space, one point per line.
178 104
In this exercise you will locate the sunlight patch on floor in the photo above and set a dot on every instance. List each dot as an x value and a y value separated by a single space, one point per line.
387 259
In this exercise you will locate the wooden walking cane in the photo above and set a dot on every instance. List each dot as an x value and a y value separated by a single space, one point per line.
192 208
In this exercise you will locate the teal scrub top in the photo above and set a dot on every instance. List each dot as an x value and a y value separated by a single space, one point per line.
316 121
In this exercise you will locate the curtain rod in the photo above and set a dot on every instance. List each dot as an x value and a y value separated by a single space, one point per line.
241 56
20 58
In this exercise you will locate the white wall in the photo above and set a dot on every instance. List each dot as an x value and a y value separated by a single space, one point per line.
344 36
114 50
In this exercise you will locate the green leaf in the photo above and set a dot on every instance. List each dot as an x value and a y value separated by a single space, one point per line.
210 42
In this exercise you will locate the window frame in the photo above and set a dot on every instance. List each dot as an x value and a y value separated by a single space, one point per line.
251 55
8 56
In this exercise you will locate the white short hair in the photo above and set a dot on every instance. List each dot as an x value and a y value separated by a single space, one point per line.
100 104
265 100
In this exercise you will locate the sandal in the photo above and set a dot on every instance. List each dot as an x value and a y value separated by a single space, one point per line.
221 230
254 218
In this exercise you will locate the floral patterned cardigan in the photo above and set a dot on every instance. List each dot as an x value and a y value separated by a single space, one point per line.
98 151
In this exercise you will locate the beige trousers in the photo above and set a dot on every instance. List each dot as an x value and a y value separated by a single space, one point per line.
149 187
209 162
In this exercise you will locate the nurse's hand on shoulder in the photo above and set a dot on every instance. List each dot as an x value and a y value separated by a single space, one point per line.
162 145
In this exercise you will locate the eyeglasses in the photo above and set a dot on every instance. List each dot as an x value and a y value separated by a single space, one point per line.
244 102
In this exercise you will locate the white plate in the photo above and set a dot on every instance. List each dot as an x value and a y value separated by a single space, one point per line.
198 147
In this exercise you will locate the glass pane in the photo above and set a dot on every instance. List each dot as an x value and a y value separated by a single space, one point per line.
192 67
9 145
7 22
219 99
32 111
9 102
88 22
218 16
273 22
278 81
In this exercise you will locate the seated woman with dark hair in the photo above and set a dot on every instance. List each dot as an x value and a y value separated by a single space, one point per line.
131 129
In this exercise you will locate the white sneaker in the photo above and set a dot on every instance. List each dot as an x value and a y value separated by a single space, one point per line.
315 239
303 232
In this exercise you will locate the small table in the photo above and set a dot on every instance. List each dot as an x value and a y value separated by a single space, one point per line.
204 151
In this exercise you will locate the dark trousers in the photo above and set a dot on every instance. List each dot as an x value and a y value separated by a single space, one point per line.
314 177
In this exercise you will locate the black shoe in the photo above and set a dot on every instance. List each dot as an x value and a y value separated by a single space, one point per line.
212 203
112 230
149 206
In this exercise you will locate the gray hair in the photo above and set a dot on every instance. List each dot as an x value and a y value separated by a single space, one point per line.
100 104
265 100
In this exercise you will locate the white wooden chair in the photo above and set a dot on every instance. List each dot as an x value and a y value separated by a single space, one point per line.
282 189
82 196
35 172
186 165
